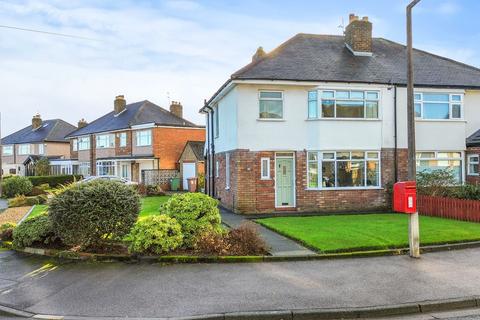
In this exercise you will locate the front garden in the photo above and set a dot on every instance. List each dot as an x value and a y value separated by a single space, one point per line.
106 217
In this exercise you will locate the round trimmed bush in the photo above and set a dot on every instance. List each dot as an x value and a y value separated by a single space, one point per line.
36 230
17 185
6 231
85 214
155 234
196 213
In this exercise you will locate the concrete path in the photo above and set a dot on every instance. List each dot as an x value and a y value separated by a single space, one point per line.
279 245
46 286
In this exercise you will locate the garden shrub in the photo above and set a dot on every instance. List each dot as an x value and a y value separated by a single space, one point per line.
196 213
154 191
6 231
87 213
467 192
36 191
16 185
201 181
21 201
36 230
213 244
54 181
435 183
42 167
155 234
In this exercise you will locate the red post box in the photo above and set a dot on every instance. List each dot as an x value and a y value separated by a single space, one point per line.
405 197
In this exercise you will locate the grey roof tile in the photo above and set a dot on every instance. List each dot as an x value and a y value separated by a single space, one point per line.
54 130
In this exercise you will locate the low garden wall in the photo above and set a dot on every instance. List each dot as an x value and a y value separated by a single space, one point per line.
451 208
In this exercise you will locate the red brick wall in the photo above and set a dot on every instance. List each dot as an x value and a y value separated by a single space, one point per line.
248 193
471 179
123 151
168 144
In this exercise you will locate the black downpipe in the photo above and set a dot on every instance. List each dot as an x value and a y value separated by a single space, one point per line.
395 160
212 122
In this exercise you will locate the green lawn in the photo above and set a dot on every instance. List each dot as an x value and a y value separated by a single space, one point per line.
150 206
369 232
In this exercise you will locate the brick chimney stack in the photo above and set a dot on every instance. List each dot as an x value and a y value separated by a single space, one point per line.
176 108
82 123
259 54
36 122
119 104
358 36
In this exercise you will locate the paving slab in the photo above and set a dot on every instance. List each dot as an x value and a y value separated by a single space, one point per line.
3 204
279 245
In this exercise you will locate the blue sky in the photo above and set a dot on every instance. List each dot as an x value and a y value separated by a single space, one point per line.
182 50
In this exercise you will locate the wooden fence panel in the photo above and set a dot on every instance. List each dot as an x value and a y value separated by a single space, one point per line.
458 209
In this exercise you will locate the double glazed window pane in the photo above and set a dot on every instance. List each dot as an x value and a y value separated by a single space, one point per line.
328 174
456 111
313 174
350 109
350 173
371 109
271 109
373 174
436 110
328 108
312 105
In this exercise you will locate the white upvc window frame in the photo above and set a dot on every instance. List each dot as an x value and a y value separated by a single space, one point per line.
320 92
271 99
9 152
227 171
265 165
84 143
143 138
74 144
217 169
470 162
24 149
122 139
437 158
105 141
450 102
320 159
111 164
41 149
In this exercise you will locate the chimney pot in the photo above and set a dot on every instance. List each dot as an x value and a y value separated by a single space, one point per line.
82 123
119 104
259 54
36 122
176 108
358 36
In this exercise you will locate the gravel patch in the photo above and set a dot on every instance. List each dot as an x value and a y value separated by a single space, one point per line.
13 214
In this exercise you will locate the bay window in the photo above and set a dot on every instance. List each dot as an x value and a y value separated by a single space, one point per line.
356 104
473 164
435 106
271 104
428 161
144 138
106 168
105 141
343 169
84 169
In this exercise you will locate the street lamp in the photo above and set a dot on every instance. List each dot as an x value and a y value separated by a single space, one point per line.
413 228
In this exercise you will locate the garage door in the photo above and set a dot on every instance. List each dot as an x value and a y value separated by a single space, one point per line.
188 172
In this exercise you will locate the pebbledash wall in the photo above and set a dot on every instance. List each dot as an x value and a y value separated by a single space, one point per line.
248 193
247 139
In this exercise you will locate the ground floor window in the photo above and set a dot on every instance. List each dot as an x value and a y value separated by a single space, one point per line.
428 161
106 168
473 162
343 169
84 169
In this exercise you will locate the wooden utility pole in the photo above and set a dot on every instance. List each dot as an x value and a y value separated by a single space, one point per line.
413 229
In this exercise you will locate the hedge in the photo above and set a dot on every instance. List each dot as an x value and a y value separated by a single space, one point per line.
54 181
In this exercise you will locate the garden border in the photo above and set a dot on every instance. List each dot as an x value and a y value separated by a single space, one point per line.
84 256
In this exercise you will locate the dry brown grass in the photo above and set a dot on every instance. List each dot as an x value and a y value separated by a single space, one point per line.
13 215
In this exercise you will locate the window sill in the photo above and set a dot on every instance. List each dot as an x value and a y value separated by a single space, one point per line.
440 120
344 188
473 174
343 119
270 120
265 179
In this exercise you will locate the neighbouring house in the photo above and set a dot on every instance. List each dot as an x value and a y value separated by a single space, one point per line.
139 141
320 123
42 139
473 158
191 161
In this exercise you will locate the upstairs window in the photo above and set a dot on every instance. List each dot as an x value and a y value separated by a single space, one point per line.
435 106
344 104
24 149
122 140
144 138
74 145
7 150
41 149
105 141
473 163
271 105
84 143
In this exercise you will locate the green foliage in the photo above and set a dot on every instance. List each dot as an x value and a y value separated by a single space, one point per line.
37 230
201 181
6 231
54 181
21 201
467 192
85 214
42 167
16 185
196 213
435 183
155 234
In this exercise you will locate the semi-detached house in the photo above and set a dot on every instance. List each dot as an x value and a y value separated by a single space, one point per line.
133 138
320 123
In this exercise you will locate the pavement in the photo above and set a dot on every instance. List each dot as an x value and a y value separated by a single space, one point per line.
45 286
3 204
279 245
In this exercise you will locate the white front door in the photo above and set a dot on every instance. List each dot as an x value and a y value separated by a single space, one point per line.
188 172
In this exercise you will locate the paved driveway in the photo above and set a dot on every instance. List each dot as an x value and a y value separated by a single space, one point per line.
153 290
